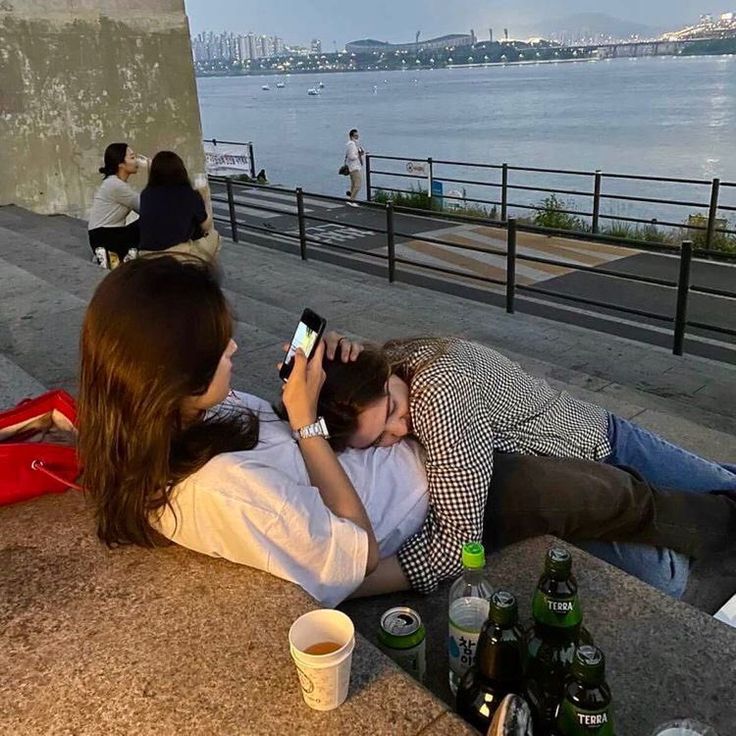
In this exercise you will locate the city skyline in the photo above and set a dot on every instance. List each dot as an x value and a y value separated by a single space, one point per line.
337 23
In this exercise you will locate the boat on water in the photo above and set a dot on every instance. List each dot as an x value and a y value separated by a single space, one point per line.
265 88
313 92
280 85
321 85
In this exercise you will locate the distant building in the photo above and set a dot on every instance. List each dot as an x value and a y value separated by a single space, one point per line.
369 45
316 46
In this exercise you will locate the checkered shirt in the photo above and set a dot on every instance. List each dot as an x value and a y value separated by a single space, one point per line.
466 402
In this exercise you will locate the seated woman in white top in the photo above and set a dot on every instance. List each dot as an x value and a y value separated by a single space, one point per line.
160 460
114 200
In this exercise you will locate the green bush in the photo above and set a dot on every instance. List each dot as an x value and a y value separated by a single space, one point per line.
550 214
649 233
419 199
695 231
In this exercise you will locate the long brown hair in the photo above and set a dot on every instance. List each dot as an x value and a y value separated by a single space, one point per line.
153 335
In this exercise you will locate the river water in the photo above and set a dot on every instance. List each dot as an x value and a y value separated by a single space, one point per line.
661 116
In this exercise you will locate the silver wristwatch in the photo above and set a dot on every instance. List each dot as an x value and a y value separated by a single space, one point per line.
318 429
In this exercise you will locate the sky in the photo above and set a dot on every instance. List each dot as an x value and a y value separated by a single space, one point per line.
298 21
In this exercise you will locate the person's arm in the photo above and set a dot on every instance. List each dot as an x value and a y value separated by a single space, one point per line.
300 396
125 195
449 419
203 205
388 577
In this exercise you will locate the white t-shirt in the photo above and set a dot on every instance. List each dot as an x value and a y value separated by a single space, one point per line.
352 156
258 508
113 201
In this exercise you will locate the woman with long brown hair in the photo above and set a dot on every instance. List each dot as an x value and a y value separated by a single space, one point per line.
168 452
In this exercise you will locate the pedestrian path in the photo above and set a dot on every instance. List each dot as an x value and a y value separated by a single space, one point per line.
493 265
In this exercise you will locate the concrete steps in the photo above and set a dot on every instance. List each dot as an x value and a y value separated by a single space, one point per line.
46 279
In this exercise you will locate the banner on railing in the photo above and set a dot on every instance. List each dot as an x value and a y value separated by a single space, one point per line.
227 159
417 168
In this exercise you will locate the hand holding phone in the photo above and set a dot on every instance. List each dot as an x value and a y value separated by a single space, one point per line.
306 336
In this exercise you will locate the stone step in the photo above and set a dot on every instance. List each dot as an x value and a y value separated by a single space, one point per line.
268 290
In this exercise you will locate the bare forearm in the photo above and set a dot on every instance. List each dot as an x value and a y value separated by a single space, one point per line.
388 577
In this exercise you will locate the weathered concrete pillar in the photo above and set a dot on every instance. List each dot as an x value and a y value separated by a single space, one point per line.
76 75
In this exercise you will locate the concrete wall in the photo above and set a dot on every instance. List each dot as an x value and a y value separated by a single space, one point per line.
76 75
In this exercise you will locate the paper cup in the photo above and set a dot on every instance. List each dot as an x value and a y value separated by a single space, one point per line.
200 181
324 678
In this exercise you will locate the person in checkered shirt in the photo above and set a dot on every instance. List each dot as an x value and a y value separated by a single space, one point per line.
464 402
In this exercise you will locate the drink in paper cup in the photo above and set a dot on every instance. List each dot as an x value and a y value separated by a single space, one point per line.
321 644
200 181
141 160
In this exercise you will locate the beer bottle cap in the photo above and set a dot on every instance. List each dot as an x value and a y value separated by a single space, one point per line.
504 609
558 563
474 556
589 665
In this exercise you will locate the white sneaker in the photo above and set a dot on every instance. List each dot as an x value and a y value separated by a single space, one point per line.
350 203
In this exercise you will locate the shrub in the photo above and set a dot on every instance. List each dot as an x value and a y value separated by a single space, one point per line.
550 214
695 229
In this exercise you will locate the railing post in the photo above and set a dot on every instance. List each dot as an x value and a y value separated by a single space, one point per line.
596 200
368 177
510 264
390 241
683 288
430 179
302 223
504 191
712 213
252 160
231 208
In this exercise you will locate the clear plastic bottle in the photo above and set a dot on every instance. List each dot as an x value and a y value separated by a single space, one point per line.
469 605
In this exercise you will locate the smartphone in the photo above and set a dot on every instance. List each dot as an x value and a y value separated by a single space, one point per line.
306 336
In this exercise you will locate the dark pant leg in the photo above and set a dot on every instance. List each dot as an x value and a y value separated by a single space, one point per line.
116 239
583 500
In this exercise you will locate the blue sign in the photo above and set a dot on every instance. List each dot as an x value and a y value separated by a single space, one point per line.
437 191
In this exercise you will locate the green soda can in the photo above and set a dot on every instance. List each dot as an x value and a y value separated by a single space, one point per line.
403 637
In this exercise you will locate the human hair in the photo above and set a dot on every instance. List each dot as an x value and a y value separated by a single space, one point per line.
153 335
349 389
352 132
167 169
114 156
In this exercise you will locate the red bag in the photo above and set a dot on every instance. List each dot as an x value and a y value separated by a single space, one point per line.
30 464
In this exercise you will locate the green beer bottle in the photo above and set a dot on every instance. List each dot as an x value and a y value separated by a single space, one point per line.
553 638
499 663
586 706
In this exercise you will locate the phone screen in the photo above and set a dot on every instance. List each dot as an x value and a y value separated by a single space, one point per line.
305 338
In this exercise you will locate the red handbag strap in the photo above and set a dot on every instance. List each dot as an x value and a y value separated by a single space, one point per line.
39 465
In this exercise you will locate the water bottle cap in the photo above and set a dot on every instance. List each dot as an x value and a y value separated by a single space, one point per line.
589 665
474 556
504 609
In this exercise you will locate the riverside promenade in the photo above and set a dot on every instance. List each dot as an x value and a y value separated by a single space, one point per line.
167 641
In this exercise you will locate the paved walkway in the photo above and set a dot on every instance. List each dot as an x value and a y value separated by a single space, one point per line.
471 254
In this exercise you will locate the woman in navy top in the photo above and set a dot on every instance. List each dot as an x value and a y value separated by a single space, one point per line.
172 213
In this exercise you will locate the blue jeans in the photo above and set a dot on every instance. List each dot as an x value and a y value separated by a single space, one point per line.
666 465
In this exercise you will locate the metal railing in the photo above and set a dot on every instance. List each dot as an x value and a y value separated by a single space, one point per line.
681 288
507 186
